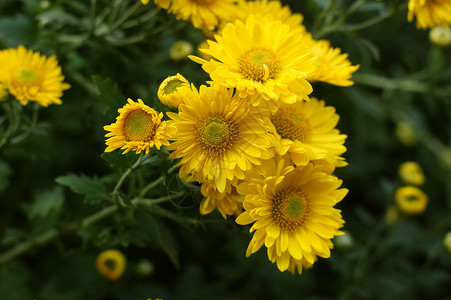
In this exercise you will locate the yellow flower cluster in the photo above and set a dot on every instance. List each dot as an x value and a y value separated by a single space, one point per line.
263 149
410 199
30 76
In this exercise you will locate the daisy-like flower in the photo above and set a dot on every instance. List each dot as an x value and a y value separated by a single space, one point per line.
228 203
292 211
411 200
219 137
203 14
169 90
334 68
306 132
139 128
261 58
430 13
267 7
111 264
29 76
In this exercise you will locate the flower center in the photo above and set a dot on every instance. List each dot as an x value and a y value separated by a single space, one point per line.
172 86
216 134
139 126
259 64
110 264
291 126
27 75
204 2
290 208
412 199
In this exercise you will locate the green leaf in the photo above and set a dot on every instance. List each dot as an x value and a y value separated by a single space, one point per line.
166 240
120 161
109 95
45 203
5 173
92 188
13 236
18 30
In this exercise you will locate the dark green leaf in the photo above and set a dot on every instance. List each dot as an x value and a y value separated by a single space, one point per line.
46 202
92 188
109 95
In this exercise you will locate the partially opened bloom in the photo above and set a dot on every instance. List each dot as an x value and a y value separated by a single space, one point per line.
411 173
139 128
203 14
170 89
292 211
305 131
29 76
111 264
411 200
430 13
334 68
219 137
228 203
261 58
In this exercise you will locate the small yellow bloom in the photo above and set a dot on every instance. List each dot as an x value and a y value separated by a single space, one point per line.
138 128
345 241
30 76
180 50
447 242
411 200
411 173
171 88
111 264
440 35
144 2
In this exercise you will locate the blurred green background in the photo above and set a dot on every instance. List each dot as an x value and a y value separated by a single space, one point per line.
401 91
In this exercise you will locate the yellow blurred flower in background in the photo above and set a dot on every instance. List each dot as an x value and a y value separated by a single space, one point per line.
111 264
411 173
411 200
30 76
180 50
430 13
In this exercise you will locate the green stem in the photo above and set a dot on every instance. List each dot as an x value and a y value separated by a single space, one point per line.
13 122
155 183
34 119
136 165
92 17
382 82
124 17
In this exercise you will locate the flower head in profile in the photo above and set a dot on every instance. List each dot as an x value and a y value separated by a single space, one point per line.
228 203
430 13
203 14
334 68
30 76
274 8
411 173
219 137
111 264
292 212
261 58
411 200
170 90
305 131
139 128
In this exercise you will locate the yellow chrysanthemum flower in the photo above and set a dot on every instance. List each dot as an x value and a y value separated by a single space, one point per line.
145 2
29 76
261 58
203 13
430 13
170 89
411 173
411 200
111 264
139 128
292 211
441 36
228 203
306 131
267 7
219 136
334 68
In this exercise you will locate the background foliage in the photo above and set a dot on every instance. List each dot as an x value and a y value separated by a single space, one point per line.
56 184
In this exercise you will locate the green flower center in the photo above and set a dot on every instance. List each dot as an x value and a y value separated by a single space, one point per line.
259 64
27 75
139 126
291 126
110 264
290 208
216 134
172 86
